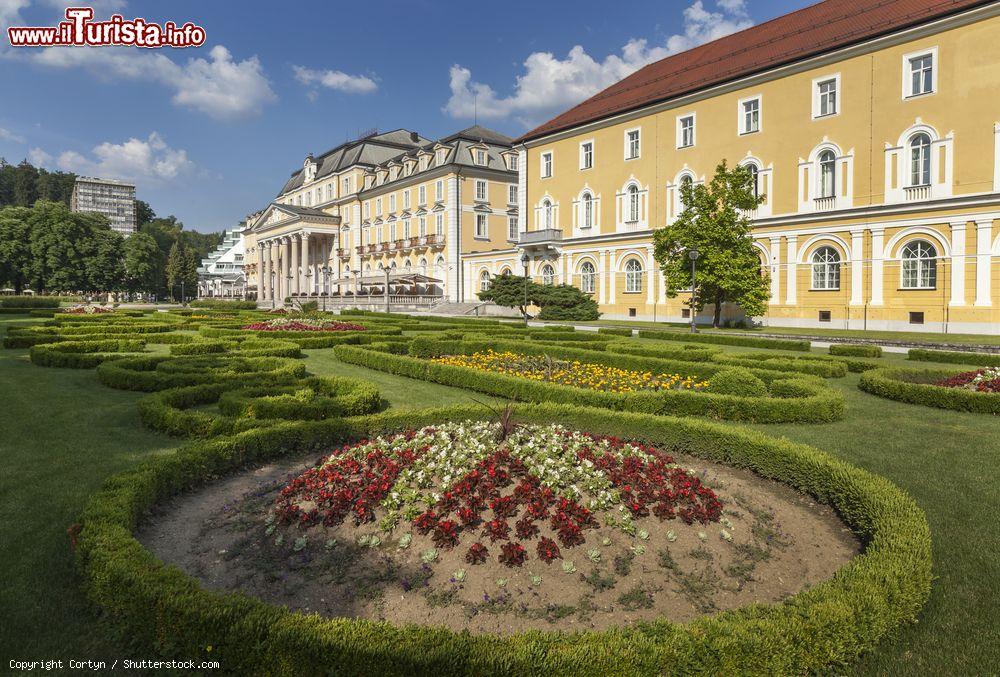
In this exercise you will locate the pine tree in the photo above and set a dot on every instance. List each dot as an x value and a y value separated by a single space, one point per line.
175 269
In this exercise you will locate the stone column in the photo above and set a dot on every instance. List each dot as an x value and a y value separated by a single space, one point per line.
984 232
269 273
305 281
293 269
878 252
957 264
285 269
793 255
857 267
260 272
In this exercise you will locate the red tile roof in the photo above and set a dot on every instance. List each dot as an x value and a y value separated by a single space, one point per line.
810 31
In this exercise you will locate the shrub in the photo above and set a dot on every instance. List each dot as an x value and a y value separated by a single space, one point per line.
954 357
855 350
565 302
615 331
29 301
737 381
82 354
166 611
218 304
723 339
916 386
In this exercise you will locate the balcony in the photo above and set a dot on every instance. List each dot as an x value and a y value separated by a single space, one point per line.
825 204
360 250
541 240
917 193
344 254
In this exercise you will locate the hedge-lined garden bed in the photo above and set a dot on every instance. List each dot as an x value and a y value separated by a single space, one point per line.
726 340
855 350
822 627
954 357
919 386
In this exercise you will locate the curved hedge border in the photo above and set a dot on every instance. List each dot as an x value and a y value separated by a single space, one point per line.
823 626
722 339
83 354
807 400
855 350
954 357
801 365
159 372
916 386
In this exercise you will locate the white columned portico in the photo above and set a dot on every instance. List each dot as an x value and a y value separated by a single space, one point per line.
305 279
857 267
878 256
984 232
293 269
793 255
957 264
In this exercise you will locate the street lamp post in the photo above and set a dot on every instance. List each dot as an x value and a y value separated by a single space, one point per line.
524 264
326 284
693 254
271 290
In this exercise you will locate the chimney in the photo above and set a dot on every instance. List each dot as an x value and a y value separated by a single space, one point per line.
414 137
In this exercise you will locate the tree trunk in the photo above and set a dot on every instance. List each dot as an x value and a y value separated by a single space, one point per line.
718 310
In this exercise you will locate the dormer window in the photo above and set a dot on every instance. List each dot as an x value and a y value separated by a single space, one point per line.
512 163
440 156
480 156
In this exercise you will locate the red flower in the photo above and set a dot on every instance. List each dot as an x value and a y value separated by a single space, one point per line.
525 527
477 554
497 530
446 534
513 554
548 550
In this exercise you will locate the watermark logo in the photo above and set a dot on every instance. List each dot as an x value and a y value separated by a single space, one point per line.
81 30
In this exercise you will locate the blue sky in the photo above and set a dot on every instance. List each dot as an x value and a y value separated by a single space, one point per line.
210 134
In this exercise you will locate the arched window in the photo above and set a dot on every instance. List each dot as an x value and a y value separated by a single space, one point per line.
919 265
484 280
423 266
548 274
827 174
826 268
633 276
588 277
505 272
587 210
686 182
920 160
754 177
546 213
632 193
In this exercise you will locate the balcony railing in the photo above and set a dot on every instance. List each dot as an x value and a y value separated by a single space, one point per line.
543 236
360 250
824 204
917 193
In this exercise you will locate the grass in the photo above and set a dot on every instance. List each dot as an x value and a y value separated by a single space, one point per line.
62 434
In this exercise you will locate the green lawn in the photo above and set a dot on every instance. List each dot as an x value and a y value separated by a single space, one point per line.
62 434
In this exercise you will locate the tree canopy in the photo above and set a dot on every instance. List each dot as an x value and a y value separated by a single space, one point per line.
22 184
556 302
715 221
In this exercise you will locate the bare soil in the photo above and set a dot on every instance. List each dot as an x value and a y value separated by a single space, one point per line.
781 543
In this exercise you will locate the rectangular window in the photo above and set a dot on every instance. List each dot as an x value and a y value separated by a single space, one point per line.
750 116
546 165
406 229
378 206
480 157
511 194
916 317
826 91
586 155
392 203
513 163
824 316
439 191
633 144
512 228
423 225
480 190
921 74
685 131
368 210
686 313
482 226
406 199
347 185
422 195
439 224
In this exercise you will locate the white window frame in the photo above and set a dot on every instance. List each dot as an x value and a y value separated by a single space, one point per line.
482 190
587 219
512 193
484 280
628 143
378 206
392 203
438 190
406 199
693 117
633 278
422 195
827 270
920 263
546 163
817 99
584 152
512 229
548 275
368 209
422 226
482 226
512 163
908 92
439 224
588 280
741 122
481 157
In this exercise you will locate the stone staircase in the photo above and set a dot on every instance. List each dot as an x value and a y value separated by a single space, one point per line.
468 309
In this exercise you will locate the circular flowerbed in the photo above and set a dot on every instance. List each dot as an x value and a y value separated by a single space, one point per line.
975 391
285 324
86 310
571 372
980 381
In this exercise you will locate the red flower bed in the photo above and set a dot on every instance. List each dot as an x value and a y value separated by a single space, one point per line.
981 380
292 325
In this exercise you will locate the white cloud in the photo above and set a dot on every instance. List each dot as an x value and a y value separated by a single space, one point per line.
10 13
7 135
550 84
352 84
219 86
148 160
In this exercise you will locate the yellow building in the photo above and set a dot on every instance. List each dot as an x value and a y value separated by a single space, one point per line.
874 134
390 208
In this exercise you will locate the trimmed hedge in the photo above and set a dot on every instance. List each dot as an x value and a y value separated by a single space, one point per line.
224 305
954 357
615 331
823 404
29 301
855 350
916 386
82 354
819 628
159 372
723 339
807 364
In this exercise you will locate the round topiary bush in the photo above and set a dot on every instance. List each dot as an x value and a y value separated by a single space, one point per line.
737 381
815 630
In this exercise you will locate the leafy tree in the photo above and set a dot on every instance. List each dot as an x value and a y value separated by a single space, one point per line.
141 259
175 269
143 212
103 260
15 247
25 188
508 291
190 271
7 173
565 302
715 222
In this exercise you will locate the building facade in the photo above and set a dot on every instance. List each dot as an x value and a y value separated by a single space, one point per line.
221 273
391 212
873 135
113 199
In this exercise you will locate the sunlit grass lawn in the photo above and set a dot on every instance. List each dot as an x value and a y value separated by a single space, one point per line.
62 434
